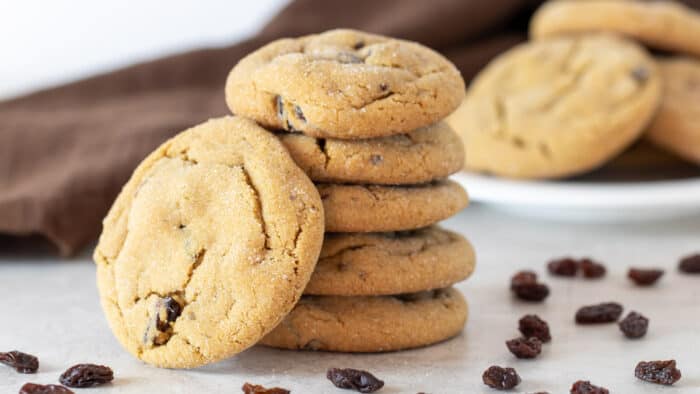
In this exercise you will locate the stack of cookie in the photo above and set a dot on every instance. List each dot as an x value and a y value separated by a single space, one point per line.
584 89
362 115
214 239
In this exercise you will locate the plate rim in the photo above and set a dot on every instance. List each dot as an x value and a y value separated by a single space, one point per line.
557 194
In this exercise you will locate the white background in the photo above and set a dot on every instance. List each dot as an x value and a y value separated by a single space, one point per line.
45 43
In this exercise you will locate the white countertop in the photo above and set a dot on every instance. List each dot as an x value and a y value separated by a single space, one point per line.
49 308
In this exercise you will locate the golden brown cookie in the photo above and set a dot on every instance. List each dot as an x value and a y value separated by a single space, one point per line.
353 264
371 324
344 84
665 25
430 153
557 107
676 126
373 208
209 245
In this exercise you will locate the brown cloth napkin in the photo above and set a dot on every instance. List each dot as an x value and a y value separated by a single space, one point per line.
66 152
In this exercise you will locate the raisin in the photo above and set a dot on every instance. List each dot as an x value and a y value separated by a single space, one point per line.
166 311
592 269
525 347
500 378
565 266
33 388
690 264
299 113
354 379
525 286
359 45
534 292
383 87
22 362
634 325
585 387
522 277
533 326
86 375
376 159
172 308
644 277
659 372
257 389
606 312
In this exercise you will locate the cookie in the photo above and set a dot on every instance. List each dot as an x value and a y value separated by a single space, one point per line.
344 84
429 153
209 245
374 208
557 107
371 324
664 25
676 126
353 264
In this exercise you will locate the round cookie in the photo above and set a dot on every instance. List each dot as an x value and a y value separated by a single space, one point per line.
557 107
353 264
676 126
344 84
209 245
375 208
665 25
371 324
429 153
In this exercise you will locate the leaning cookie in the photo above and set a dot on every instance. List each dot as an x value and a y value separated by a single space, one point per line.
354 264
208 246
676 126
371 324
557 107
429 153
665 25
344 84
375 208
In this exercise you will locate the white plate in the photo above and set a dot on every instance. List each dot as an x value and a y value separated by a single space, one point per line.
586 201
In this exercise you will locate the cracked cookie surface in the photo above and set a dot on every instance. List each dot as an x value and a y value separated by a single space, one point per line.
665 25
676 125
429 153
353 264
377 208
557 107
371 324
209 245
344 84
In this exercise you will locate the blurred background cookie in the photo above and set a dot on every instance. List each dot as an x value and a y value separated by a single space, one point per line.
676 126
665 25
557 107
